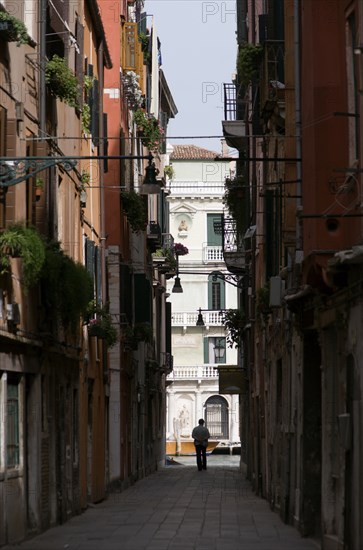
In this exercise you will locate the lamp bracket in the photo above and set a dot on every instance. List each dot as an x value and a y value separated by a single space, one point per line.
16 171
234 280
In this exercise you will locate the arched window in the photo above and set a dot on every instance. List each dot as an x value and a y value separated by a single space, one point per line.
216 417
216 291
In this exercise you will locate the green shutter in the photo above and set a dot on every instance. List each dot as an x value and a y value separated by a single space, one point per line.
213 238
206 350
168 323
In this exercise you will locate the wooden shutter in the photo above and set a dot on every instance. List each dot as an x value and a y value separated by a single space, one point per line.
142 299
11 136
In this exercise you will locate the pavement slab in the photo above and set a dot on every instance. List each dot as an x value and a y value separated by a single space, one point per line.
177 508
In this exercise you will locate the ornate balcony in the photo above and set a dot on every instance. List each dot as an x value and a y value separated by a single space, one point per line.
212 254
233 248
194 372
189 318
234 126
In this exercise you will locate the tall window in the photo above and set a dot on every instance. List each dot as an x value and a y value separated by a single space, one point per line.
215 350
12 425
216 291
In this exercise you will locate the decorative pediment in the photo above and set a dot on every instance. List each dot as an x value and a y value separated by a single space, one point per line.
183 209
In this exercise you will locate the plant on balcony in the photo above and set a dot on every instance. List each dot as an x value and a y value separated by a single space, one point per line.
169 171
149 129
144 39
180 249
12 29
24 242
249 61
100 324
67 286
233 199
86 109
140 332
61 81
135 209
234 321
170 259
132 89
39 187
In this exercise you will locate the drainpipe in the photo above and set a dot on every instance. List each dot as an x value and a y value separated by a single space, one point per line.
101 148
42 59
299 244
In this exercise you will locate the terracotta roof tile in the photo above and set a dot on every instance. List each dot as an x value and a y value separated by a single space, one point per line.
192 152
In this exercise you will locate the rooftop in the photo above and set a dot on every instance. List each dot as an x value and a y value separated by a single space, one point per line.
192 152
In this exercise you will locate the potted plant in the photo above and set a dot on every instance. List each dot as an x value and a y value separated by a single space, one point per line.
100 324
12 29
249 61
132 89
180 249
234 321
61 81
135 209
85 180
39 187
25 243
149 129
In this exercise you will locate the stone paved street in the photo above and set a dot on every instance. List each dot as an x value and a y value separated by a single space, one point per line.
178 508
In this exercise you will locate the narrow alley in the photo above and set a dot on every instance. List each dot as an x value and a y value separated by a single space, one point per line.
178 508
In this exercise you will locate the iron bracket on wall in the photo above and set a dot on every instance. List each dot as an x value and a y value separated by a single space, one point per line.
14 170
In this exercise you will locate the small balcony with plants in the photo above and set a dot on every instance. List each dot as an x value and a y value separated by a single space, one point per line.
12 29
62 82
100 325
149 130
134 207
235 223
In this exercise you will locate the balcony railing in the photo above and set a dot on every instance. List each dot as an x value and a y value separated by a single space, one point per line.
233 248
194 372
197 188
189 319
212 254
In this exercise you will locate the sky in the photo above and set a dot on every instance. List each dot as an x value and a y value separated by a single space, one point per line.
198 48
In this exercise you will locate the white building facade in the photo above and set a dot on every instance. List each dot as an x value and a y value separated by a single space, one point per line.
196 209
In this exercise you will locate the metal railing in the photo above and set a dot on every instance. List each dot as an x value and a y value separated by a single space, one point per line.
185 319
194 372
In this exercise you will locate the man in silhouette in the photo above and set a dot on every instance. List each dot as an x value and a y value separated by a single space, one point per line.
201 434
